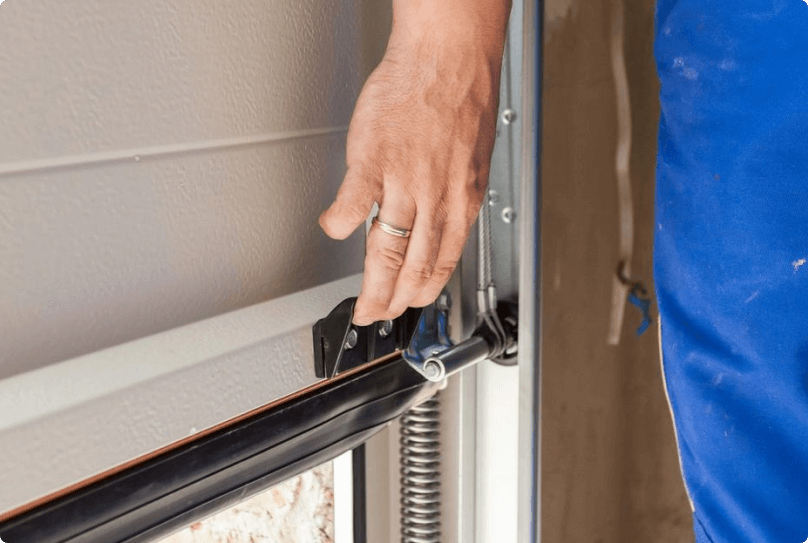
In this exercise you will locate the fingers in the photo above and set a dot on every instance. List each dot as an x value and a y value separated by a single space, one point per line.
352 206
384 258
451 248
409 272
399 275
420 260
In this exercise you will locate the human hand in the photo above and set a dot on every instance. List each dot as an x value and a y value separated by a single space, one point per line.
419 145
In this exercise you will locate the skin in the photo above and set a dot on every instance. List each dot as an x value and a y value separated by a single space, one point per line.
419 145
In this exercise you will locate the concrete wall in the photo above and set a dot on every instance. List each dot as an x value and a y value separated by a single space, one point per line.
610 468
162 162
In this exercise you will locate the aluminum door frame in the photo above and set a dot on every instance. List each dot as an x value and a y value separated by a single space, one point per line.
482 472
529 466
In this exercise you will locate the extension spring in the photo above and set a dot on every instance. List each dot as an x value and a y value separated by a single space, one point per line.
420 473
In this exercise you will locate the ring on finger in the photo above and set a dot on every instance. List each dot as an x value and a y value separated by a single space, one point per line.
392 230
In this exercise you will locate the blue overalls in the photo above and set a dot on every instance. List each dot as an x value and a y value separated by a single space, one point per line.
731 260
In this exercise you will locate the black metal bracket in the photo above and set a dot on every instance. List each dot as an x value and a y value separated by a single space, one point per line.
340 346
421 335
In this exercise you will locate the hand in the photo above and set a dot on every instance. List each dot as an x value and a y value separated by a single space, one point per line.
419 145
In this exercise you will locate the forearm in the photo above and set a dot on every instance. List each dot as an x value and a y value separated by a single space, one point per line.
478 25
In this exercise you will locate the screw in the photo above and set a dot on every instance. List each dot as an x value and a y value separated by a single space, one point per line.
508 116
493 197
509 215
433 370
385 328
350 341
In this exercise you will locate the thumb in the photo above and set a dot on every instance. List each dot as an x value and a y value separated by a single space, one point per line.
352 206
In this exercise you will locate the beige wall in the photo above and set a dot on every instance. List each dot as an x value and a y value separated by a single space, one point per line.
610 468
162 162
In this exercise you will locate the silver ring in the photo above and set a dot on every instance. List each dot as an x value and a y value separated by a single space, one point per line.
392 230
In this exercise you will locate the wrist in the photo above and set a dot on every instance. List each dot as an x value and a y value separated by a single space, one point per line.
474 26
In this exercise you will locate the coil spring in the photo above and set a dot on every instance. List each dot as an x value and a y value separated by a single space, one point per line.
420 473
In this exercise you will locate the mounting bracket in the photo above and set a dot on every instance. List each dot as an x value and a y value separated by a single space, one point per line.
340 346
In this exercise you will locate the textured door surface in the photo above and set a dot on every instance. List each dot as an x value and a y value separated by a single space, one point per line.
162 168
163 162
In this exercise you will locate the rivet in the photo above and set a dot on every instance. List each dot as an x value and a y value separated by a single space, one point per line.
493 197
508 116
509 215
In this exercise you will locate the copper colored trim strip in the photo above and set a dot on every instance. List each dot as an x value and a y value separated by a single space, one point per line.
139 460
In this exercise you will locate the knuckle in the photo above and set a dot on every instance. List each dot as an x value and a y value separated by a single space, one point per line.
353 211
419 274
391 313
477 187
440 211
442 272
375 306
389 258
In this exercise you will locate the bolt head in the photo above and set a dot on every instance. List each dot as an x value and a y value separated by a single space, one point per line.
351 339
508 116
493 197
385 328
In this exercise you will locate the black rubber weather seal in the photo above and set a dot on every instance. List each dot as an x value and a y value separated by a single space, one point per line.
170 491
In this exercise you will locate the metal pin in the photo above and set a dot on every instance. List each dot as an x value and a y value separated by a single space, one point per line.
433 370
